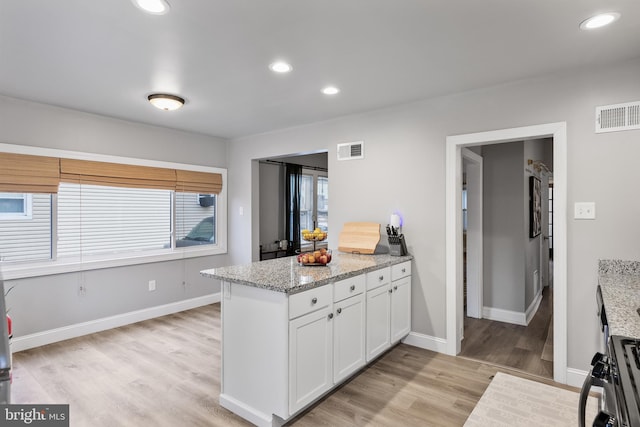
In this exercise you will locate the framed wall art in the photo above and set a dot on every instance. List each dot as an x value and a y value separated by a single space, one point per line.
535 206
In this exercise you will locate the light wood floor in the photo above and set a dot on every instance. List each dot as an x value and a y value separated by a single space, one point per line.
166 372
528 348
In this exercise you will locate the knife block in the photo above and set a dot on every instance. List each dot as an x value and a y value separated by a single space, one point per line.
397 245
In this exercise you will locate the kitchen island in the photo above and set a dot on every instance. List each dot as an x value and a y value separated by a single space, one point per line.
292 333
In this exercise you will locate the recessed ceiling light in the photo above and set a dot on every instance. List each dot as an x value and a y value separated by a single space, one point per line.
600 20
155 7
281 67
165 101
330 90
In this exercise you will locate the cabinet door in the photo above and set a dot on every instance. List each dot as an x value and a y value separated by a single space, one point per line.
400 308
310 357
378 321
348 337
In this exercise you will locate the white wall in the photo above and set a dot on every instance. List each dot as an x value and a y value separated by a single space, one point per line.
271 201
404 169
504 219
43 303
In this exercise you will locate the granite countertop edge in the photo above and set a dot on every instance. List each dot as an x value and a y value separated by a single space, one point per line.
619 282
393 260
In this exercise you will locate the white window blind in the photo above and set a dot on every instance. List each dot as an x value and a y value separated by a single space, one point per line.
95 219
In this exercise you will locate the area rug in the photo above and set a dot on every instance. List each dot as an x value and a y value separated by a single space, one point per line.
511 401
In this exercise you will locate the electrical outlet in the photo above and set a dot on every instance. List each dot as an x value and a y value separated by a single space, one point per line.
152 285
584 210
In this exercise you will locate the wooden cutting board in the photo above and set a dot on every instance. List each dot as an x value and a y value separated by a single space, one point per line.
359 237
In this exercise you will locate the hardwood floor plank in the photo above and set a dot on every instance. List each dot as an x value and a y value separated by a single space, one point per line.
166 372
526 348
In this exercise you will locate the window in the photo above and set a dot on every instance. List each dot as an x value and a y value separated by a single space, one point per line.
322 210
195 219
15 206
314 202
106 213
25 227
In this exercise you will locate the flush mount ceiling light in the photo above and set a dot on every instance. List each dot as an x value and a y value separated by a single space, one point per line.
280 67
600 20
330 90
165 102
155 7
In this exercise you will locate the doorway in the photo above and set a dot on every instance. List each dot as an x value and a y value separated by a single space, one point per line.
508 318
454 256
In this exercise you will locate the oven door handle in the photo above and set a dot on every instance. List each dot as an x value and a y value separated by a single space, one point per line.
584 395
597 376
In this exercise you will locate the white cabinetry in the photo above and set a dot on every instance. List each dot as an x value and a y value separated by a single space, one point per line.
388 307
310 346
326 339
400 301
348 327
378 312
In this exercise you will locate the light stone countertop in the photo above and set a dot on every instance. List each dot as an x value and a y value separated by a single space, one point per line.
286 275
620 284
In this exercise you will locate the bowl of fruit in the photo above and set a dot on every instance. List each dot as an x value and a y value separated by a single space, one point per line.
320 256
316 235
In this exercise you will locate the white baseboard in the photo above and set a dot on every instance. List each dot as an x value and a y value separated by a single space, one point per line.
248 413
426 341
576 377
533 308
72 331
515 317
508 316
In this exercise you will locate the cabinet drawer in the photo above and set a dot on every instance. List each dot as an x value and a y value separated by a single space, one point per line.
378 278
348 287
401 270
308 301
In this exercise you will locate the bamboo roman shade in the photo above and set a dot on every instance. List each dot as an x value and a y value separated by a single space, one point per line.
198 182
116 174
20 173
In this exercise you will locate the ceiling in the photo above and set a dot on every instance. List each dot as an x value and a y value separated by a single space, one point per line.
105 57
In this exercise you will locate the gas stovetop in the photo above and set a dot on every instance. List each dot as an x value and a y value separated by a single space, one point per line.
625 375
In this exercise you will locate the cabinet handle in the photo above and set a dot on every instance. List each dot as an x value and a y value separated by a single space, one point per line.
404 270
314 300
395 288
330 316
339 310
390 291
352 288
381 278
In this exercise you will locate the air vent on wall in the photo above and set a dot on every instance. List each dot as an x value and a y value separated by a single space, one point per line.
351 150
611 118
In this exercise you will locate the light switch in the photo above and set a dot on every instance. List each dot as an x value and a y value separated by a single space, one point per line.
584 210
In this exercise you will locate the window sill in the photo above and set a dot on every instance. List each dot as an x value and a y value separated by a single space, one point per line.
47 268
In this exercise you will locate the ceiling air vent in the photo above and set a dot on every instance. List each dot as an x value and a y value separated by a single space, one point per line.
611 118
351 150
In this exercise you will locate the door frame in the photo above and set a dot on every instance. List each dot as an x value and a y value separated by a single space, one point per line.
454 297
475 288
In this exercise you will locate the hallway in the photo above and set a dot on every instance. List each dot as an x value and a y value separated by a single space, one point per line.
527 348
